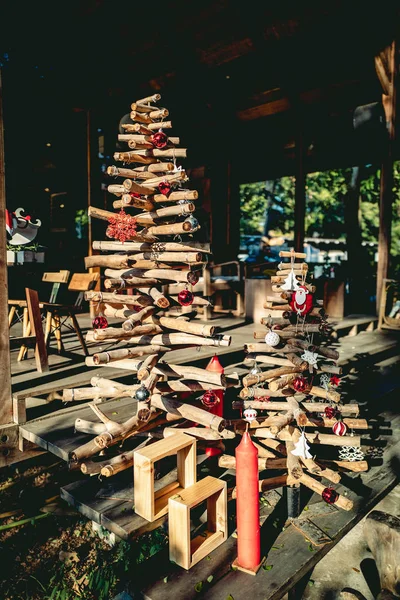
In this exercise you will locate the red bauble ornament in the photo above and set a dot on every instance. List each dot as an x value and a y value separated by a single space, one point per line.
330 412
329 495
99 323
164 187
335 380
300 384
159 140
339 428
134 195
121 227
209 399
185 298
301 301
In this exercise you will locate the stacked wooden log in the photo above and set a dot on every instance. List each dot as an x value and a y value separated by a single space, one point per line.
302 417
147 249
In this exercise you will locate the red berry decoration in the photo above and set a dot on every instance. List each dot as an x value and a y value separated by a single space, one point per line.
185 298
210 399
330 495
330 412
339 428
159 140
137 307
335 380
300 384
99 323
164 187
134 195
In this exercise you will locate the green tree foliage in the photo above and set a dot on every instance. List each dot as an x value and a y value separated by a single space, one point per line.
326 196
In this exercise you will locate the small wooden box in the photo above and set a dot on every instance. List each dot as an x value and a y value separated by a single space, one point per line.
150 505
182 550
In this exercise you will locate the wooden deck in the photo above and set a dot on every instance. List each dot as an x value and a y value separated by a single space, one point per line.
370 361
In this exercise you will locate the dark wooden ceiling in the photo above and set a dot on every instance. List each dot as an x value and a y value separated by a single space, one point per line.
228 70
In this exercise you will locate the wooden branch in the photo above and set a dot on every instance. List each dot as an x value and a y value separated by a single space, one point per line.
327 439
328 352
118 333
265 485
181 325
175 196
128 283
147 365
310 407
103 358
127 200
188 412
286 254
179 276
137 317
140 300
173 229
293 463
134 157
229 462
318 488
256 392
181 339
267 375
326 394
267 360
128 247
282 382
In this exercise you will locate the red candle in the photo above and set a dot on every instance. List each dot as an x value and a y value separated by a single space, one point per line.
247 505
215 366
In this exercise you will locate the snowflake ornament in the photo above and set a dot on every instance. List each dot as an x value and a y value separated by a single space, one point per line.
324 381
351 453
311 358
301 447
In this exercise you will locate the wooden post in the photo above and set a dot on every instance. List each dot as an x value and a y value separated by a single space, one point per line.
6 404
386 194
300 188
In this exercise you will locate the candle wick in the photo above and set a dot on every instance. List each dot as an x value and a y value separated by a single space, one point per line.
247 428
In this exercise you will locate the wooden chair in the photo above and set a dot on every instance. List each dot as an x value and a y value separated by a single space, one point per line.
58 315
57 279
224 279
36 337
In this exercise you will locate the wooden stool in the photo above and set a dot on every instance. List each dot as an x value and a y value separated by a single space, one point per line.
150 505
182 550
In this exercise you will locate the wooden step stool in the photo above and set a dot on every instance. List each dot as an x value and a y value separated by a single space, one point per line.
150 505
182 550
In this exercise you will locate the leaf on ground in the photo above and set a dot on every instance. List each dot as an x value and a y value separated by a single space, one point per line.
267 567
311 582
210 578
278 547
208 557
165 580
234 534
68 556
230 597
199 586
356 570
306 508
311 548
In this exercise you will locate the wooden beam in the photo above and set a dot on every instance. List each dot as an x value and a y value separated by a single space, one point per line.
386 193
300 188
6 403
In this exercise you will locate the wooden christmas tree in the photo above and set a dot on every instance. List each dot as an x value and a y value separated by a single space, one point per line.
306 430
151 244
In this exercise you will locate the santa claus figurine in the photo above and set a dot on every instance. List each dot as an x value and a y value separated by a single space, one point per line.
301 301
